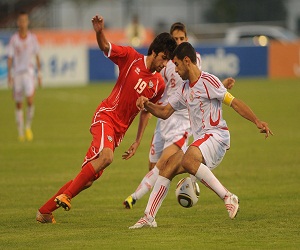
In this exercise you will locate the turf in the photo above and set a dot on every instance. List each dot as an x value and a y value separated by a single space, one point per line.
263 173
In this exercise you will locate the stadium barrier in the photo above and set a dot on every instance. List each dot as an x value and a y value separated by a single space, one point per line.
73 58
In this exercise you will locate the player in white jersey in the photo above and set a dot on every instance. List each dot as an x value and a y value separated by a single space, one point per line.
172 134
202 94
22 48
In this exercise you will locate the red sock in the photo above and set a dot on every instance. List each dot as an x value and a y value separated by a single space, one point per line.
50 205
86 174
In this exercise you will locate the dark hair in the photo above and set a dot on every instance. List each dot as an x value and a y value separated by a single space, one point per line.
22 12
178 26
164 42
185 49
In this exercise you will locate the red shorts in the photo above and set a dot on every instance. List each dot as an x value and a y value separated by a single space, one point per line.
103 137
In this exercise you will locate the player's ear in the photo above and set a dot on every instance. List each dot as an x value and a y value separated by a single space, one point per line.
154 54
186 59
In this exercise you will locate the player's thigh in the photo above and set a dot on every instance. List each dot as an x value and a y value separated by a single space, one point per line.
157 147
28 85
102 142
192 159
173 166
166 154
18 90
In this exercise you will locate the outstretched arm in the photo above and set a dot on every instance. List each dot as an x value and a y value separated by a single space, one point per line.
98 24
245 111
159 111
144 118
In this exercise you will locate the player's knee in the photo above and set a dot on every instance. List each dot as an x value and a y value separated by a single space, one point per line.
106 157
186 163
90 183
151 165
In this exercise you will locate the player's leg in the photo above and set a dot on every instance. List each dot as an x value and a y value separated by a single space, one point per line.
150 178
199 160
29 90
44 213
18 98
155 152
98 157
170 169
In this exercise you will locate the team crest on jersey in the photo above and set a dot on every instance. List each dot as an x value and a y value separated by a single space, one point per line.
150 85
109 138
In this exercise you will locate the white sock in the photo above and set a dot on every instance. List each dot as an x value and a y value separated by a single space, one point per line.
146 184
29 117
20 121
205 175
193 178
157 196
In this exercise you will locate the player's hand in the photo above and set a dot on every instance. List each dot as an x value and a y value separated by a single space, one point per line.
98 23
131 151
140 102
264 128
229 82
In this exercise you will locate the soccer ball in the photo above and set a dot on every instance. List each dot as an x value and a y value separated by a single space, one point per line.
187 192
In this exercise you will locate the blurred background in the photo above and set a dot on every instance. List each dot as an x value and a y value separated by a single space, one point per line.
238 38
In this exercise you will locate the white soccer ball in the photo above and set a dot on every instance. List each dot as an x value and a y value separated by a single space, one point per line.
187 192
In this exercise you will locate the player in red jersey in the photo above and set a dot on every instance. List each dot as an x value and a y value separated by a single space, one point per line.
139 76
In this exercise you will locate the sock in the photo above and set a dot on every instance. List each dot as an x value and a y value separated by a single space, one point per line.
146 184
157 196
20 122
50 205
29 117
210 180
86 174
193 178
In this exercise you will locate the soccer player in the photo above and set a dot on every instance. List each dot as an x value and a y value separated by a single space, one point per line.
172 134
22 48
139 75
202 94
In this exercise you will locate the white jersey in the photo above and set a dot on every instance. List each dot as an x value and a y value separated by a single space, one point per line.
23 50
175 129
204 100
172 80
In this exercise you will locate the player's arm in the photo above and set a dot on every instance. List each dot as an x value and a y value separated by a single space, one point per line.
98 24
244 110
9 76
159 111
38 65
144 118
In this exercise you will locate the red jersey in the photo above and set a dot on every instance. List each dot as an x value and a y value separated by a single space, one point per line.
135 80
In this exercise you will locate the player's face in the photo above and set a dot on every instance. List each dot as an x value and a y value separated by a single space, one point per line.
180 68
23 21
179 36
159 62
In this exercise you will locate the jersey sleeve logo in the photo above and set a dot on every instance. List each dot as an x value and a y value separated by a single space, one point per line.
137 70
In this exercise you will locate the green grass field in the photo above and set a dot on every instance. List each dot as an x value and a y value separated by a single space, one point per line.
263 173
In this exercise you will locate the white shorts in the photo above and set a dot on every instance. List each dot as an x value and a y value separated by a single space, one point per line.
174 130
213 147
23 85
